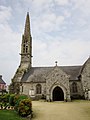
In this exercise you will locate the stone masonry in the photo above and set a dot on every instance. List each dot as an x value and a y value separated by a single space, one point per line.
54 83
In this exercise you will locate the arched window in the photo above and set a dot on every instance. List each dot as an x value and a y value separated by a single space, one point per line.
38 89
26 48
74 87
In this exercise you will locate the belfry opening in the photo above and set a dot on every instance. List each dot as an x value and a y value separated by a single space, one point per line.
58 94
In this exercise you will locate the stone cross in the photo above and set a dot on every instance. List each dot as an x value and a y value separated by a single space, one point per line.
56 62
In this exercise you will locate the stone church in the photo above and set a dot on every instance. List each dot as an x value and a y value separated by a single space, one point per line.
56 83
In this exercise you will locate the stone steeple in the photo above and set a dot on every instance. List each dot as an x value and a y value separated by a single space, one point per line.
26 56
26 46
27 26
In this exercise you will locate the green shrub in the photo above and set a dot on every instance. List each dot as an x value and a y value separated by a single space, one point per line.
17 100
21 97
6 105
11 100
25 107
21 103
4 98
1 105
4 101
7 97
0 98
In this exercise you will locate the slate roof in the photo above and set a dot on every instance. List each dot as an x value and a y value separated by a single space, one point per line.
82 68
1 80
37 74
73 71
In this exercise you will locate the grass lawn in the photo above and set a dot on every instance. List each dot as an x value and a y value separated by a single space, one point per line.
9 115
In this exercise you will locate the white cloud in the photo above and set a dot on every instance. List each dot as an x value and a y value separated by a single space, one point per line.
59 20
66 52
48 22
38 5
67 13
62 2
83 6
5 14
9 45
40 2
9 51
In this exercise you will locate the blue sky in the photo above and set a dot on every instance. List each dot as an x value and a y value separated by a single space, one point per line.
60 30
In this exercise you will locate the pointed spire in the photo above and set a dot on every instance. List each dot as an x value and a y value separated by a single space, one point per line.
27 26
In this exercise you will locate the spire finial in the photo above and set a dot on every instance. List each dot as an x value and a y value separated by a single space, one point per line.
56 62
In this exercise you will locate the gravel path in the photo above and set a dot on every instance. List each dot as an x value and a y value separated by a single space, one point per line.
61 110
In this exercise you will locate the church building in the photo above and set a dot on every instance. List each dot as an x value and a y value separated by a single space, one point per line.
56 83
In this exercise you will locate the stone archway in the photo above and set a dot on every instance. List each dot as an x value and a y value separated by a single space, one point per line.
58 94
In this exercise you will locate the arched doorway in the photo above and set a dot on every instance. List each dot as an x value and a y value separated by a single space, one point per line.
58 94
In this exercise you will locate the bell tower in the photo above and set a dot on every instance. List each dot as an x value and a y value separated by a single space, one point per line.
26 46
26 58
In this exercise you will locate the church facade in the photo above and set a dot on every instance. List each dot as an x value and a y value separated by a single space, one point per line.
56 83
